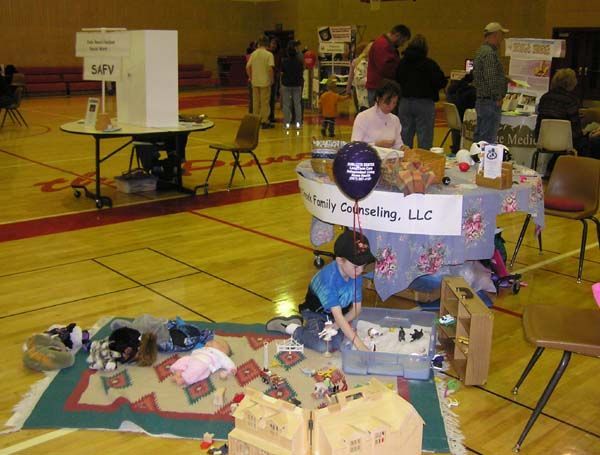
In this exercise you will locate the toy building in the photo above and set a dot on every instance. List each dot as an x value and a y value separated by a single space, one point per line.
268 426
365 420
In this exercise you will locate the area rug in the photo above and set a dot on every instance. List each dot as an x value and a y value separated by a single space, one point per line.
146 399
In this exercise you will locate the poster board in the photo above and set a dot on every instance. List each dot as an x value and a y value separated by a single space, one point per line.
530 62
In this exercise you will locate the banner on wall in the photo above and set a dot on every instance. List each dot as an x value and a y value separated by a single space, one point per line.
427 214
335 33
535 49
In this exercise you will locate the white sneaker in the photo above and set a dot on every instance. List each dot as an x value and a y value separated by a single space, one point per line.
298 125
287 126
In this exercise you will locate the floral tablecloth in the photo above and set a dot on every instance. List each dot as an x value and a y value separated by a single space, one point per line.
403 257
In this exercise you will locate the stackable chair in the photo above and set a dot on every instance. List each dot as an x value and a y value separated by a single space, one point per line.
555 137
13 110
573 192
246 140
453 119
571 330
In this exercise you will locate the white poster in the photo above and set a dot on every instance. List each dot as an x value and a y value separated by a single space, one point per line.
427 214
332 48
96 44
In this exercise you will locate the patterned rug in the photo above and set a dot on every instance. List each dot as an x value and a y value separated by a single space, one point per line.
146 399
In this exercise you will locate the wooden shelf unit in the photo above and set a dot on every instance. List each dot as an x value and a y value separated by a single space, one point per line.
474 323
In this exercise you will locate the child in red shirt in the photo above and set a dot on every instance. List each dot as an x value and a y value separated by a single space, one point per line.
329 102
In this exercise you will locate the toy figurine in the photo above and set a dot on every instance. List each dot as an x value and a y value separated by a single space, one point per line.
207 440
401 335
327 334
416 335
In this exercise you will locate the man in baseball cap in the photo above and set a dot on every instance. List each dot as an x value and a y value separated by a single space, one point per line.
494 27
490 83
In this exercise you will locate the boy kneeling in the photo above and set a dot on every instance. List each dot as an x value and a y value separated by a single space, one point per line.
334 294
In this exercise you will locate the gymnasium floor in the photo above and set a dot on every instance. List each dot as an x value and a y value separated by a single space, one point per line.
243 256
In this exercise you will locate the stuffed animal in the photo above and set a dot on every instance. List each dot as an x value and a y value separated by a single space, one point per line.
43 352
101 357
72 336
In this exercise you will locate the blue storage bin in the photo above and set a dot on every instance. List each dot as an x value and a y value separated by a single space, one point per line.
383 363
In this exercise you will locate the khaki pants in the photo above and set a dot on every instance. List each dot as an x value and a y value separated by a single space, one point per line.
260 103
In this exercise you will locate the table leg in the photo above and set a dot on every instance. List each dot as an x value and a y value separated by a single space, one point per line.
101 201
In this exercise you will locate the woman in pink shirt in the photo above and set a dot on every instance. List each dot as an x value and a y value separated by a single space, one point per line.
377 125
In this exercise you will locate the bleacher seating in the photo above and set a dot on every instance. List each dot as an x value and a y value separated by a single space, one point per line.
67 80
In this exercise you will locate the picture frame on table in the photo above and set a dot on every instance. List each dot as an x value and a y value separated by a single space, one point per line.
91 112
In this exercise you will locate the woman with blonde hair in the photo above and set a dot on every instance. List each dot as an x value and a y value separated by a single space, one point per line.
357 78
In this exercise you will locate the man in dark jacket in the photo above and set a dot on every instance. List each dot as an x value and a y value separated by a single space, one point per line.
421 79
384 58
461 93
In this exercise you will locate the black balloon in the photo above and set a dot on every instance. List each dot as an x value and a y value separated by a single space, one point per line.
357 168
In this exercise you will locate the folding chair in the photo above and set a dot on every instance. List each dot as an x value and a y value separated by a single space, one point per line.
13 110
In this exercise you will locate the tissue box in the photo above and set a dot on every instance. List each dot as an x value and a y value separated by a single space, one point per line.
407 366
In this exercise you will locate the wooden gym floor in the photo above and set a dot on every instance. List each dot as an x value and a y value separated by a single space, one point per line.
241 256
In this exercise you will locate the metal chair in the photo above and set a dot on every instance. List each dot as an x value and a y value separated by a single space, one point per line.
573 193
246 140
13 110
453 119
568 329
555 137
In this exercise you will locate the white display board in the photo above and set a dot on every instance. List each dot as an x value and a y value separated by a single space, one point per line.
148 91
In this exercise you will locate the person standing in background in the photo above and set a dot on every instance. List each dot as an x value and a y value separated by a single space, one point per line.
260 71
490 82
384 58
251 48
292 68
275 49
421 79
357 80
461 93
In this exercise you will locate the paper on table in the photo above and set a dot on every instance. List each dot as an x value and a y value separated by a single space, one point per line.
492 161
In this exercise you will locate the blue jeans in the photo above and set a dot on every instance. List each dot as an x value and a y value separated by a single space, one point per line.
308 333
488 121
417 115
291 96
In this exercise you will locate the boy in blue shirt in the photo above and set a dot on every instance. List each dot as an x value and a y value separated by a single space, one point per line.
334 294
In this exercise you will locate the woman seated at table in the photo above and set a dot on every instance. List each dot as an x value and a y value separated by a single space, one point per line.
561 103
378 125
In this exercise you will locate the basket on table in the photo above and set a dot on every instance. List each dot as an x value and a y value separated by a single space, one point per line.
434 161
407 175
323 154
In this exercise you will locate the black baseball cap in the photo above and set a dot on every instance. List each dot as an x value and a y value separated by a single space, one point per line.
354 247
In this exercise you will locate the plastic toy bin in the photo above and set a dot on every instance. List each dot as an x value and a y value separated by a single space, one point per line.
407 366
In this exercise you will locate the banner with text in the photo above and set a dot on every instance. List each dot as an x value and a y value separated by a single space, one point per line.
428 214
336 33
535 49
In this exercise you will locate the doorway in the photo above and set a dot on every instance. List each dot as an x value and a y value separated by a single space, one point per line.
582 55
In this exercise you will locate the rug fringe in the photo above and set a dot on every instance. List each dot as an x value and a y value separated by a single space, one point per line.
451 420
22 410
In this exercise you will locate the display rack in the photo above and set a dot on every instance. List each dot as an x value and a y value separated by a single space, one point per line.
468 342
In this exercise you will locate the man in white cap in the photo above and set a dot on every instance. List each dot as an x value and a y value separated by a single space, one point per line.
490 83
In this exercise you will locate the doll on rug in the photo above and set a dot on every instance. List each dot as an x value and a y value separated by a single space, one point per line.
202 362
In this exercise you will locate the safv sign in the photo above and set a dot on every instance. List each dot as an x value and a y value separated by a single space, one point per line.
102 68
